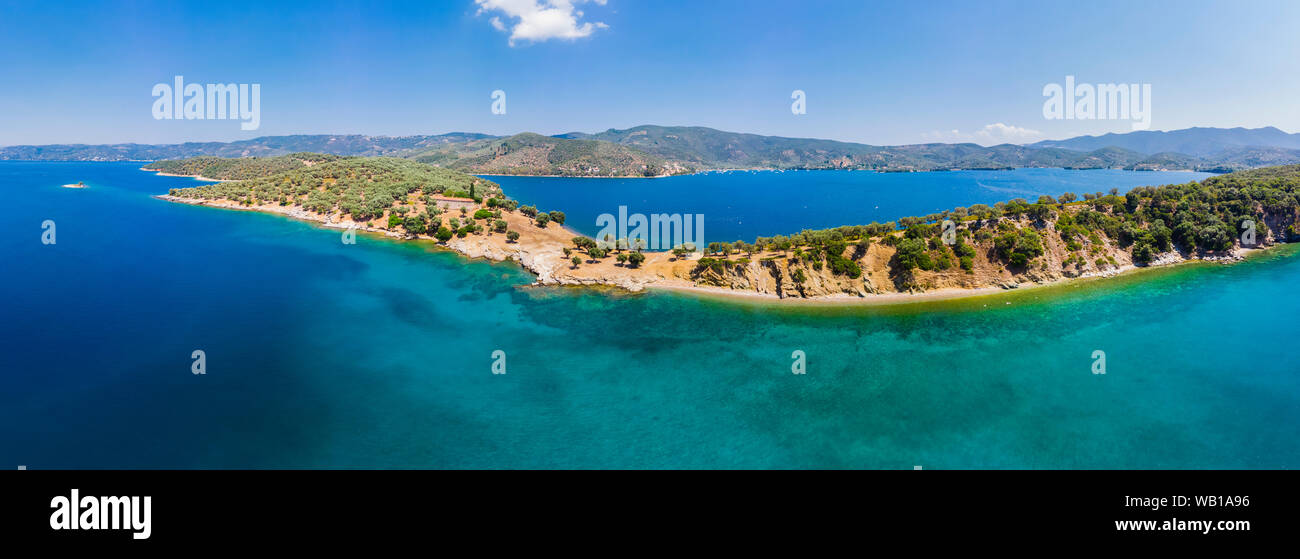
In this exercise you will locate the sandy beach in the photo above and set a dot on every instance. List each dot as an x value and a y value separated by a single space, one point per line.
199 177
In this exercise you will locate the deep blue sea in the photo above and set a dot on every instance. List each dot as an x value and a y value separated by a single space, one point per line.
379 354
742 205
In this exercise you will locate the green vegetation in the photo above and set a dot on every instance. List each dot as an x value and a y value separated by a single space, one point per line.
1207 217
706 148
534 154
1017 246
240 168
364 188
715 265
658 150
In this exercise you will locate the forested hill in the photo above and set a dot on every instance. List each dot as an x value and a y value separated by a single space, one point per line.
241 168
715 149
1195 142
266 146
363 187
534 154
666 150
1019 241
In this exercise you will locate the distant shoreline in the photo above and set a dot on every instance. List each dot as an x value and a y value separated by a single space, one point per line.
699 172
581 176
885 172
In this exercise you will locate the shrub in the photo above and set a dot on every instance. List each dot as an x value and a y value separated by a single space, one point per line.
912 254
415 224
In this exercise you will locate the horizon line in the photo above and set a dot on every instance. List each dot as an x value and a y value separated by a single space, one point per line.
557 135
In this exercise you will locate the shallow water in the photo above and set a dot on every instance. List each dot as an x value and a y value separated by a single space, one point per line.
379 354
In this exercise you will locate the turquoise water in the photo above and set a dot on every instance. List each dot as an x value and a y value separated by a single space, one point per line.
747 204
321 354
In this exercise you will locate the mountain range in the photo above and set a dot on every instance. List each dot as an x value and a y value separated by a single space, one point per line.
1197 142
666 150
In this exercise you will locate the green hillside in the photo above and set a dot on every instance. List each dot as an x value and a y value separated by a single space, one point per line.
534 154
238 169
666 150
363 187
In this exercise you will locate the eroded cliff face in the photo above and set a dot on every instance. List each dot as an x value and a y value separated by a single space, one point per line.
775 273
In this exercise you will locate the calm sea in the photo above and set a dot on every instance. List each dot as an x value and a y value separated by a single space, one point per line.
742 205
379 354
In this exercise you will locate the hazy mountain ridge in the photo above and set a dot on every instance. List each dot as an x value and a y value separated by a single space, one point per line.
266 146
650 150
716 149
1196 142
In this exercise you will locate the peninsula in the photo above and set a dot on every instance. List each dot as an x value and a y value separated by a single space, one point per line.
957 252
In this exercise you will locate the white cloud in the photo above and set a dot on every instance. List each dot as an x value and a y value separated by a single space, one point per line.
540 20
1002 132
997 133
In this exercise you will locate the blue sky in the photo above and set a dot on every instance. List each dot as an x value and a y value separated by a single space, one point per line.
880 73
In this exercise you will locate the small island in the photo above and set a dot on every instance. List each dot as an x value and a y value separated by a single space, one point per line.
963 251
75 185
